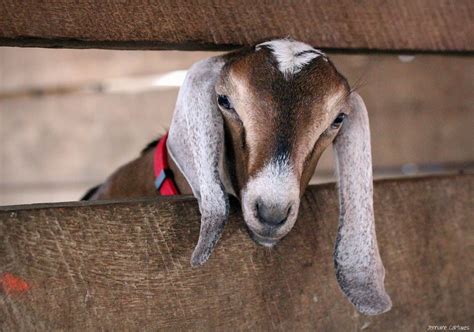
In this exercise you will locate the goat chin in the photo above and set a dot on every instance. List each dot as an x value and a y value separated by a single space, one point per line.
263 241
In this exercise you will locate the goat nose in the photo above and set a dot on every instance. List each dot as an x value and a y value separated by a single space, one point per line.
272 215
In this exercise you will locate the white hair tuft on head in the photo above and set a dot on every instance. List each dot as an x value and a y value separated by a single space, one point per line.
291 55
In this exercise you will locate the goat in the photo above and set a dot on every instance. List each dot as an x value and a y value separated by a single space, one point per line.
253 124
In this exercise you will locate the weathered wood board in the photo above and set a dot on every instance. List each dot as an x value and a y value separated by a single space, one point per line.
409 25
125 265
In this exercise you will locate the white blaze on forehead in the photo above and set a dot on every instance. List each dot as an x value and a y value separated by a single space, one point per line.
291 55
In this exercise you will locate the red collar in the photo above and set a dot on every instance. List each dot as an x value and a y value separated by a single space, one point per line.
163 177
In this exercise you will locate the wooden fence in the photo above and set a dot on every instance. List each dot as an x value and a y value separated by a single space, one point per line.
125 265
408 25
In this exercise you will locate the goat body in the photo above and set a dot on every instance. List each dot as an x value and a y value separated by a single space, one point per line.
135 179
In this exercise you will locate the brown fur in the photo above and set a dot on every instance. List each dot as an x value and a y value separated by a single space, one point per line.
275 115
136 179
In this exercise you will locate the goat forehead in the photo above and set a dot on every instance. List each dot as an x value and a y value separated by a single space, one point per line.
275 108
290 55
257 79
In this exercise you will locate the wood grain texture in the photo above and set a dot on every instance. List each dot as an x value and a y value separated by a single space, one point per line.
421 25
125 265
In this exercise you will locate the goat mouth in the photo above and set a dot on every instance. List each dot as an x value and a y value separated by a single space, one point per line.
261 240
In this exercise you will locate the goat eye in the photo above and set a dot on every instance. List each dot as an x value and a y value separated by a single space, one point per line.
338 121
224 102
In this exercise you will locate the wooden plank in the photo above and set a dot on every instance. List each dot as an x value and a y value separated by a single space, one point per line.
408 25
125 265
38 68
78 136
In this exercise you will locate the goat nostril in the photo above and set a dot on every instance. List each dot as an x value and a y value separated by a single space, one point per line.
271 215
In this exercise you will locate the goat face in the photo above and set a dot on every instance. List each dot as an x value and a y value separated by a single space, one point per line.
254 123
279 117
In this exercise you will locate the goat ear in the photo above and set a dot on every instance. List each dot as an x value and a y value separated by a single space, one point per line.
359 268
196 143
